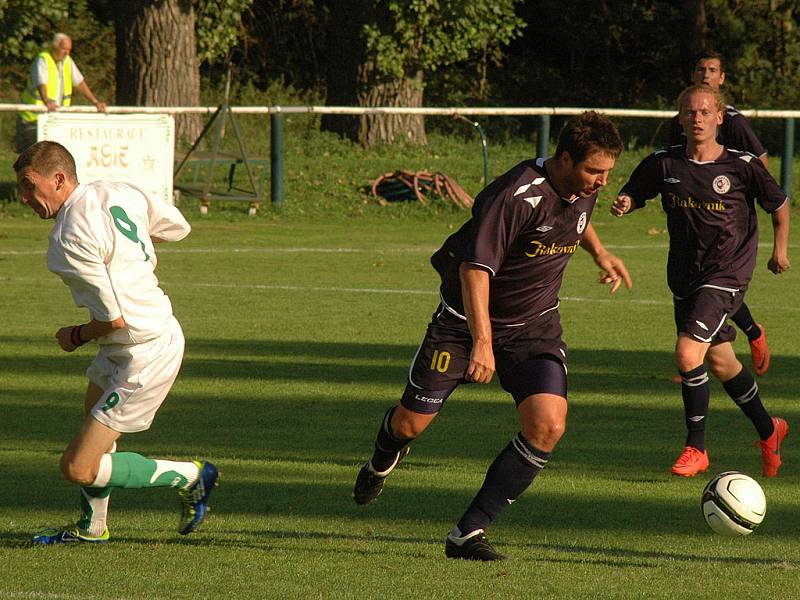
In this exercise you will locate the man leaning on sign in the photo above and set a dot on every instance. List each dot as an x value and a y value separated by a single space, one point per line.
52 77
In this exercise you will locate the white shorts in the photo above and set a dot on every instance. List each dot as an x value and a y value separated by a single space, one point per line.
136 379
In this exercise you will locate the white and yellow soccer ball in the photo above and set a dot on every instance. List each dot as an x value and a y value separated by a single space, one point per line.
733 504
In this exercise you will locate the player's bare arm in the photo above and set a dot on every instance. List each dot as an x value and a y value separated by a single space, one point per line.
621 205
779 261
74 336
613 272
475 291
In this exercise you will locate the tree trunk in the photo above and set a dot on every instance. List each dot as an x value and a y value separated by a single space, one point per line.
344 54
157 59
694 40
375 129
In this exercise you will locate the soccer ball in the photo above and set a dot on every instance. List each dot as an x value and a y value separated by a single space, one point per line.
733 504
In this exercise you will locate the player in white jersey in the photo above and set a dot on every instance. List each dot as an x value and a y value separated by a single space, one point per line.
101 246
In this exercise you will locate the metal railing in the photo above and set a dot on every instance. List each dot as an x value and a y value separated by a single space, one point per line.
544 113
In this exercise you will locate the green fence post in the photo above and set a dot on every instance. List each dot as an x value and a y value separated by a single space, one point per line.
543 139
788 156
276 159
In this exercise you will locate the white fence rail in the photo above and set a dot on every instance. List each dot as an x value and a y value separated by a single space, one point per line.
543 113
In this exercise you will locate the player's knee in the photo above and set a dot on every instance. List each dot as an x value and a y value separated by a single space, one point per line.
408 428
722 368
715 366
687 361
74 472
544 434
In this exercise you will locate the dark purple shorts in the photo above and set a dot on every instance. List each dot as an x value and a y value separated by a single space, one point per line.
704 314
529 359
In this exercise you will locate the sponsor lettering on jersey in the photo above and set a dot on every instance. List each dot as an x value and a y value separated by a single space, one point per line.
675 201
540 249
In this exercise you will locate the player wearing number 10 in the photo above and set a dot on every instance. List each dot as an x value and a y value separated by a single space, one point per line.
501 274
101 246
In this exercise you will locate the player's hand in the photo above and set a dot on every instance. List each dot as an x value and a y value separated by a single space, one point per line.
481 363
778 264
614 272
64 337
621 205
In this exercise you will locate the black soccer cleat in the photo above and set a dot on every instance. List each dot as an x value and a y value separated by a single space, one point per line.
369 484
474 546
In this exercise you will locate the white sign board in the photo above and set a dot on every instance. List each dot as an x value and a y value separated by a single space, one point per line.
137 149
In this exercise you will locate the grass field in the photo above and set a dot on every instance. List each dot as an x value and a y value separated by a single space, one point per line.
300 327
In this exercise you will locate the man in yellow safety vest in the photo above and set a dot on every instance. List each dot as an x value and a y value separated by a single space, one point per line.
52 77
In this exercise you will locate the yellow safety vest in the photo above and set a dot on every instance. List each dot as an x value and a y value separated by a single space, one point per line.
31 93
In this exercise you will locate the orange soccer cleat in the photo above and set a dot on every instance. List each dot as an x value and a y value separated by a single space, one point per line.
771 447
691 462
759 352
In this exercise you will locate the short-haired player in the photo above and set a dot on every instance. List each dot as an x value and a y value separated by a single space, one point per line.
501 274
101 245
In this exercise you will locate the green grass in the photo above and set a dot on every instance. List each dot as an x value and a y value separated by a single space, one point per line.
300 326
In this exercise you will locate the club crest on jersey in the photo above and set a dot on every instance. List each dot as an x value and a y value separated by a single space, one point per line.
581 223
721 184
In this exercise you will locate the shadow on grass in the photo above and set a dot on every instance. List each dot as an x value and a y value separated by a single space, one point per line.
271 540
617 372
624 557
669 508
625 425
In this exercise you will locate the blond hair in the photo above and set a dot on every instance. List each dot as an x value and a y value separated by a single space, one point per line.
719 99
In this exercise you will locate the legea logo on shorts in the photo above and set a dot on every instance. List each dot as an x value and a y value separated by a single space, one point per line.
428 400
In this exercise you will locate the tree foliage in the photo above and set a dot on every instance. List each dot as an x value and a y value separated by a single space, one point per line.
26 26
26 23
621 53
425 35
219 28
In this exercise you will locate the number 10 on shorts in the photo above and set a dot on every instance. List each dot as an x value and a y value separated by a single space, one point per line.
440 361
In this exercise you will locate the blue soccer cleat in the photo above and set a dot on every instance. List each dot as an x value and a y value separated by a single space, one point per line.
195 498
67 535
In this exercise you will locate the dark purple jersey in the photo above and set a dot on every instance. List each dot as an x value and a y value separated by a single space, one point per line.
523 233
713 230
735 132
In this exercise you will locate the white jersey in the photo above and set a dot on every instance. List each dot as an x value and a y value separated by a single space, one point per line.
100 246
